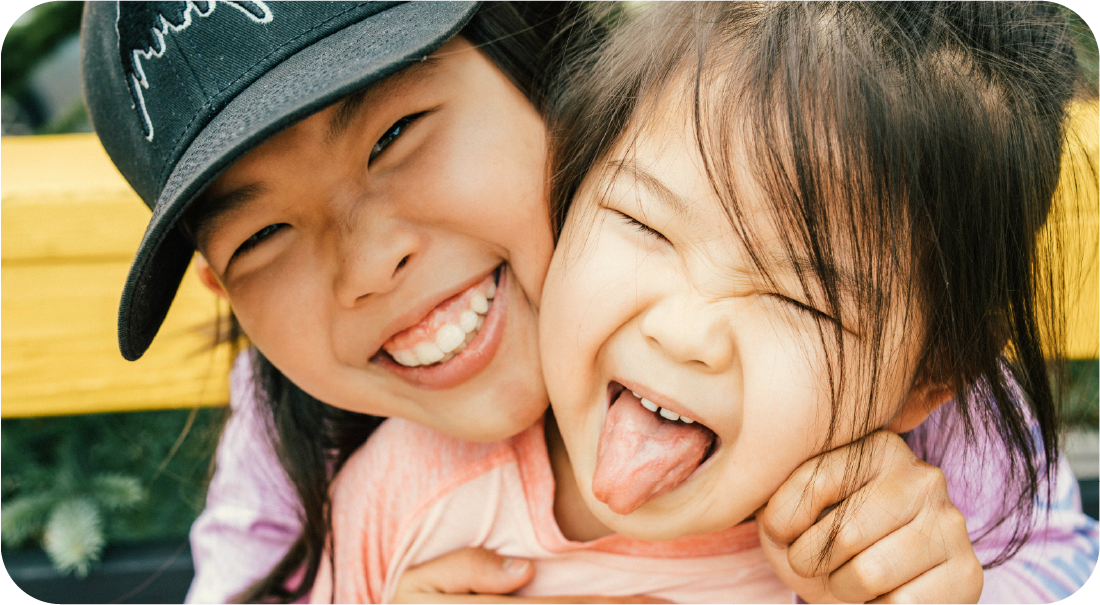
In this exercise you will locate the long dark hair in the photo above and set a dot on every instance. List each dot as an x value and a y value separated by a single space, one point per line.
527 41
926 137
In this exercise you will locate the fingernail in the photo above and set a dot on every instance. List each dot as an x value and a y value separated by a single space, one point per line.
516 566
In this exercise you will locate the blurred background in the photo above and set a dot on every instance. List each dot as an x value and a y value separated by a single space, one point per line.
105 463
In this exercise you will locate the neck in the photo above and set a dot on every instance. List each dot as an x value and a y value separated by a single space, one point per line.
577 523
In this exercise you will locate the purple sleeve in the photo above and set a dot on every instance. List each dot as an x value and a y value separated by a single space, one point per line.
252 514
1060 553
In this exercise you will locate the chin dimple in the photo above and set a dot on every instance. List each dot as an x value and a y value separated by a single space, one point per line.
451 337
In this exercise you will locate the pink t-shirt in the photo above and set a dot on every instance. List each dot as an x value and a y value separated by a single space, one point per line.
252 515
411 494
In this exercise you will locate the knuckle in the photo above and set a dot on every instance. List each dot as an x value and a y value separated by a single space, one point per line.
932 481
869 574
849 538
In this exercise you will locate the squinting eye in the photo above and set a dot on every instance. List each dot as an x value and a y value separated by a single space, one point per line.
392 133
807 309
640 226
258 237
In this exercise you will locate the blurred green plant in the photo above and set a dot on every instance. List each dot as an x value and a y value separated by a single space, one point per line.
33 38
1081 394
75 484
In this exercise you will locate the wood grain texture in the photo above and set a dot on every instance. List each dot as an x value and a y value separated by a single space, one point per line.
70 227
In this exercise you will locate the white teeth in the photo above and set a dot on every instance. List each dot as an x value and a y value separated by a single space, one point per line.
406 358
449 337
468 321
479 304
653 407
428 353
452 338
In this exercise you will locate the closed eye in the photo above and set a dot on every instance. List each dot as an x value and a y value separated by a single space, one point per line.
257 238
393 133
813 312
639 225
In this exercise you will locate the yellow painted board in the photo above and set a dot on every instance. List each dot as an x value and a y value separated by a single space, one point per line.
62 197
70 225
1078 215
60 353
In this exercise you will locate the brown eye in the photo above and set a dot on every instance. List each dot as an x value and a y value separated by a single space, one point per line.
258 237
392 134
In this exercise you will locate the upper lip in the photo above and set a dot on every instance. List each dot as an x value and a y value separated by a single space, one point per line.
418 311
662 400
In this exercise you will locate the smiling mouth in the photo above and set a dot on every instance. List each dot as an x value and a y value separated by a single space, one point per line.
445 331
645 451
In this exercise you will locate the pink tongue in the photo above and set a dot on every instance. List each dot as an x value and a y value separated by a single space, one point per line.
642 456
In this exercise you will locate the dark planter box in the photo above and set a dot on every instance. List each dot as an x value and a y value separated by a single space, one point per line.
150 572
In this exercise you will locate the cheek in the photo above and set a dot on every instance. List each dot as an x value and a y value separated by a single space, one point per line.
786 405
583 302
488 180
298 347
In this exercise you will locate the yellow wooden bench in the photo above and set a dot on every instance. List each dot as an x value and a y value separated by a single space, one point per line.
70 225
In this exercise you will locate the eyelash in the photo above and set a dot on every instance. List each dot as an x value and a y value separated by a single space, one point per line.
807 309
640 226
392 133
257 238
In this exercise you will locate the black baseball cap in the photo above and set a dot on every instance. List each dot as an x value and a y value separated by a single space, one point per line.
178 91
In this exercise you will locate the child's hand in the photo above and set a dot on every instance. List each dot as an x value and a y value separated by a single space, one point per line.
903 542
476 575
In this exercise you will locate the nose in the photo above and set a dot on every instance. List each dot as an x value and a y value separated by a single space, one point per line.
690 330
372 257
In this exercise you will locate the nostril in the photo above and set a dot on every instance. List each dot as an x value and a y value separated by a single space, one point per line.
401 264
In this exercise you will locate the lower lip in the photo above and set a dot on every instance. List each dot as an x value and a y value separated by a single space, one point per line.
467 364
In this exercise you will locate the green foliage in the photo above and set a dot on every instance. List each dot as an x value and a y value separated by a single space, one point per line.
28 43
1085 44
1081 394
75 484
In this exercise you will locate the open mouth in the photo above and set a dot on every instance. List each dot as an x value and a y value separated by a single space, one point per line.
447 329
645 450
453 341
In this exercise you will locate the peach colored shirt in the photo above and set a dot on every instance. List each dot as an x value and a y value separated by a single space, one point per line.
411 494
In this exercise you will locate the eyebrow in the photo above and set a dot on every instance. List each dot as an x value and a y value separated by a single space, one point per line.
650 182
392 85
799 265
209 212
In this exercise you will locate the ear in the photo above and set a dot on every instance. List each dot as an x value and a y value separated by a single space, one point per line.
922 401
208 277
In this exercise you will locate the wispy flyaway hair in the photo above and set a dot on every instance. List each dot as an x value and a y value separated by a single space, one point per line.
922 139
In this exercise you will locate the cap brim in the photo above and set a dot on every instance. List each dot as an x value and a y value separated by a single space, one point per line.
312 79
